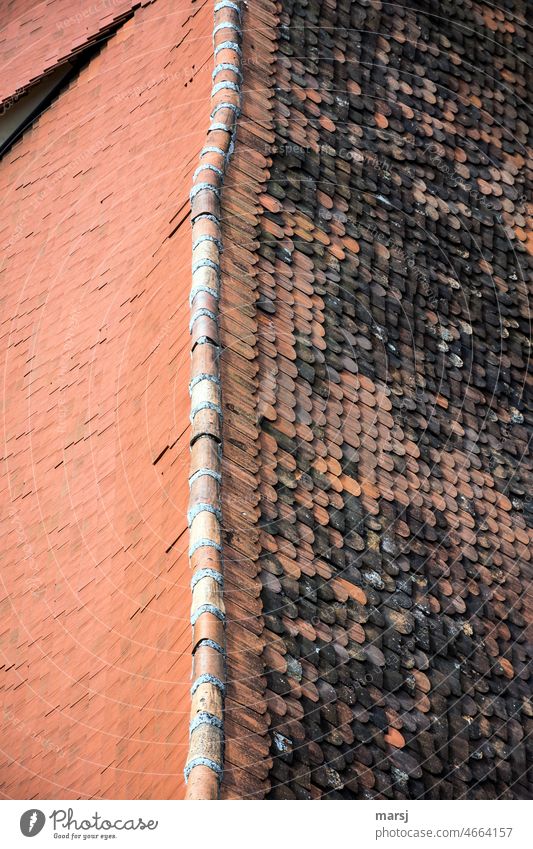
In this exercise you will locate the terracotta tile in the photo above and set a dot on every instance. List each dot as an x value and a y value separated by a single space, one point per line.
405 452
101 582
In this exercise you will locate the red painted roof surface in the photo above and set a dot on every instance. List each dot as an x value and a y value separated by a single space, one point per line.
374 332
94 353
36 37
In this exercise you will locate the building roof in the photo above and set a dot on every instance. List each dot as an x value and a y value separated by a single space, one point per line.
358 509
375 333
95 361
37 37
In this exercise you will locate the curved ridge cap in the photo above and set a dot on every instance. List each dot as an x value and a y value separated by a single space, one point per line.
205 758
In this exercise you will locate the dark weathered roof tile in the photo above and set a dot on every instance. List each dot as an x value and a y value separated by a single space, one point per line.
390 399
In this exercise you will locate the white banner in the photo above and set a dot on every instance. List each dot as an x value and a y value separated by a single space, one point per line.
264 825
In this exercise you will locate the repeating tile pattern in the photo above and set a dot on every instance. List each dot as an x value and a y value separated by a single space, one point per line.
246 716
376 333
95 641
37 37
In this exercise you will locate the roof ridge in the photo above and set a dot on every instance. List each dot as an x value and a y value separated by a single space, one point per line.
205 760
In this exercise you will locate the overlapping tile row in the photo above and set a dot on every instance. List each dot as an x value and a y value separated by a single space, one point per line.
37 37
95 640
247 758
378 345
205 761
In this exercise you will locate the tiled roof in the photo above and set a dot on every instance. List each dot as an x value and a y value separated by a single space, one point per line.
359 511
375 332
95 358
36 37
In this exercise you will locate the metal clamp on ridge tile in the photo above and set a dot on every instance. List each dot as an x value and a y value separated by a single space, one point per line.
201 472
226 25
206 678
196 290
218 125
207 608
195 511
210 644
214 378
203 187
207 238
228 45
227 66
208 167
204 768
205 405
211 149
205 542
206 216
207 573
201 313
216 767
225 105
225 85
205 718
228 4
206 263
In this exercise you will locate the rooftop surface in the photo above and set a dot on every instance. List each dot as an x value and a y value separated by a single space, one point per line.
376 345
357 523
95 233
